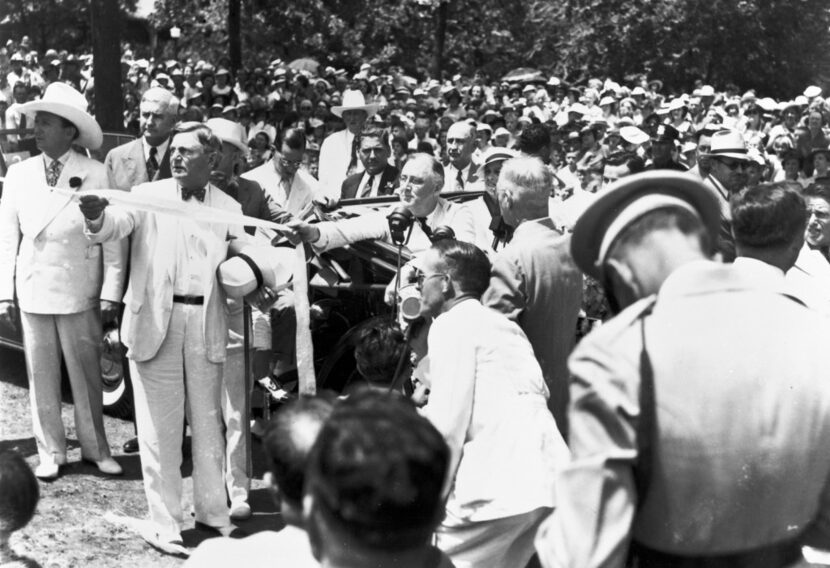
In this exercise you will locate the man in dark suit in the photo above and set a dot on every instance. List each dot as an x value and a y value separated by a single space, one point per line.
378 178
144 159
534 281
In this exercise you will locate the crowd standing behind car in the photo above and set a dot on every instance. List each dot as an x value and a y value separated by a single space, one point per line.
577 192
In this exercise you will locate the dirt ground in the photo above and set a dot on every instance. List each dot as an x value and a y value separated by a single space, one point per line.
70 528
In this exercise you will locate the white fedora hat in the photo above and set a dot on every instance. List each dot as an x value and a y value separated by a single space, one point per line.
728 144
228 131
353 100
64 101
254 266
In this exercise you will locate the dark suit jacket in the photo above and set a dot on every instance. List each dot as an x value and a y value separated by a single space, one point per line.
388 182
536 284
255 202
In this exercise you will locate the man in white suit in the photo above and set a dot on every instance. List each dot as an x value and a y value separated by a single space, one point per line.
176 328
60 278
338 153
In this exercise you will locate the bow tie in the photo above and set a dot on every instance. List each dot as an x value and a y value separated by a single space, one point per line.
197 193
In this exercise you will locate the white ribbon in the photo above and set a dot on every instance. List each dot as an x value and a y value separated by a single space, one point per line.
177 207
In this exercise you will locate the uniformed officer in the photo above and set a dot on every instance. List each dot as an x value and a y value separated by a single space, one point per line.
696 412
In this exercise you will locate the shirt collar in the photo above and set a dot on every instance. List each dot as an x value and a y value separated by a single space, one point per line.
161 149
47 161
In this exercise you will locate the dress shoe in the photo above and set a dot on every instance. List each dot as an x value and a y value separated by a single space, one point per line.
47 471
108 466
169 544
131 446
240 511
228 531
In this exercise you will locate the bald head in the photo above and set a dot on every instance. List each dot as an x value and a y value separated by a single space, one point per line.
524 188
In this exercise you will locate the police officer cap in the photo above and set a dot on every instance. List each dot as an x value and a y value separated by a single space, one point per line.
629 199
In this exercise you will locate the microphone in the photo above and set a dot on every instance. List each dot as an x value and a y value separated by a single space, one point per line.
400 221
75 182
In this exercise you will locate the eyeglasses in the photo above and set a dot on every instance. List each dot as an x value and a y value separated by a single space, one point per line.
422 277
733 164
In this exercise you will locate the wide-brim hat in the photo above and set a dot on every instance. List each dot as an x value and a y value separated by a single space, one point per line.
228 131
629 199
354 100
728 144
64 101
254 266
812 91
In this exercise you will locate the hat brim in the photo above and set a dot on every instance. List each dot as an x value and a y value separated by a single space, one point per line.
592 225
734 155
90 135
370 109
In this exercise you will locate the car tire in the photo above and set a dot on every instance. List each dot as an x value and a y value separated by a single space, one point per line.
115 381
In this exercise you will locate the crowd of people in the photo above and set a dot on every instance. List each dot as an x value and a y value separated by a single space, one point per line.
681 432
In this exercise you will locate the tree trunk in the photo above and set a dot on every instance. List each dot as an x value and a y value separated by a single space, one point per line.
106 51
234 35
440 36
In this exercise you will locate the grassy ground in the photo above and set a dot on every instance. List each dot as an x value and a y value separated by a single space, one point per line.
70 528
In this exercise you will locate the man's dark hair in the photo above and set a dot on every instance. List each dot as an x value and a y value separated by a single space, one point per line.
670 217
533 139
770 215
19 492
294 138
291 434
205 135
820 190
425 147
377 471
466 264
369 130
378 349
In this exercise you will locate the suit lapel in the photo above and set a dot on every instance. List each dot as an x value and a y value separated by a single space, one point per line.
57 202
135 164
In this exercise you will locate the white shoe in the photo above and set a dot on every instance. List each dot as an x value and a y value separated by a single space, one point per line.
47 471
240 511
109 466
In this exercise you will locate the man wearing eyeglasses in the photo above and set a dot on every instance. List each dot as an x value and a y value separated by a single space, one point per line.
728 159
282 178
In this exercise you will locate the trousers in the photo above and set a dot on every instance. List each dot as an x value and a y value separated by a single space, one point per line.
76 338
179 381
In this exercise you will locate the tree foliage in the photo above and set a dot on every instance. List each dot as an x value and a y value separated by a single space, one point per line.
775 46
59 24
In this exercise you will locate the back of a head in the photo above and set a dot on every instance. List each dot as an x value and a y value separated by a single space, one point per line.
769 216
466 264
376 473
378 349
291 434
532 180
533 140
666 218
19 492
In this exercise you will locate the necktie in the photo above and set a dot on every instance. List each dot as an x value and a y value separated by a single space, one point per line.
460 179
197 193
353 158
152 163
422 222
367 189
53 172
